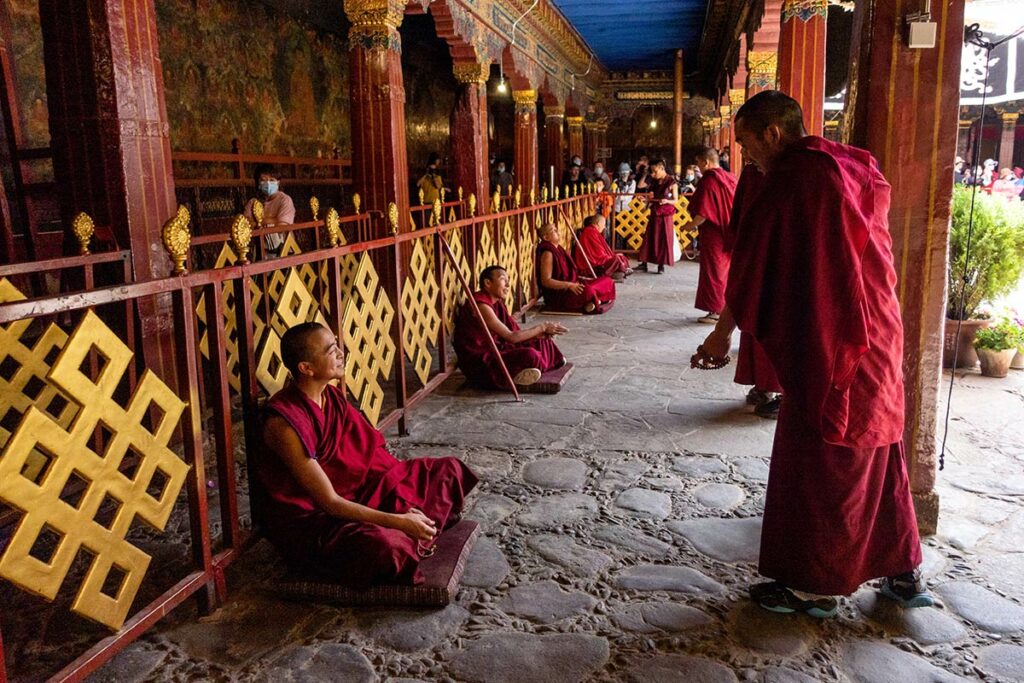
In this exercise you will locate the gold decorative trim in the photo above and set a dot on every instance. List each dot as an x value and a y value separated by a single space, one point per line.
177 238
83 228
393 217
356 201
554 111
472 72
737 96
333 225
314 206
241 237
643 95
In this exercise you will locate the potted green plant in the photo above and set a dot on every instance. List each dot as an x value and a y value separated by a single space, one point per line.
993 270
996 346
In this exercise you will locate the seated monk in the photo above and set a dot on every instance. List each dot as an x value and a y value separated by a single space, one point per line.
595 249
527 353
338 503
563 290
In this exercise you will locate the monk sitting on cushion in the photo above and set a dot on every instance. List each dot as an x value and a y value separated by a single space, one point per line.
595 249
527 353
338 502
563 290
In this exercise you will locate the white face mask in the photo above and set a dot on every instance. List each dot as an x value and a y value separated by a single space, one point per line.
598 170
501 169
269 187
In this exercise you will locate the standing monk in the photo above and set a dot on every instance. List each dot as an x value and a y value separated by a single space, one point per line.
563 289
752 364
338 502
813 282
594 249
657 245
527 354
711 208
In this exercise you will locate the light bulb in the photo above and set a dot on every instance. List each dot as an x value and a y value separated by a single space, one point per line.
654 123
501 86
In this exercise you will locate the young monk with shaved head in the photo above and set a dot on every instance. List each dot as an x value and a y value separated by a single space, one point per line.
563 288
812 280
339 503
711 209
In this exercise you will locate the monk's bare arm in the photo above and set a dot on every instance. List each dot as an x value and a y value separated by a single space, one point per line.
695 222
499 329
280 436
547 266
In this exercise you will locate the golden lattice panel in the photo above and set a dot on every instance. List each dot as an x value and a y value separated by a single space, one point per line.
420 321
508 261
453 292
295 305
683 217
101 517
366 328
631 223
485 255
527 254
307 275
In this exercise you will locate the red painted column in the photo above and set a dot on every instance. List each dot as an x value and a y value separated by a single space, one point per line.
379 165
802 58
554 142
526 140
108 121
904 110
469 133
590 135
762 57
575 124
1007 140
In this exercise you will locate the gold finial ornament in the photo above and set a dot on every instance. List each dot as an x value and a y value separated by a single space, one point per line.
423 199
472 204
257 212
436 212
544 193
241 237
556 193
460 194
356 201
518 196
333 223
314 206
615 186
393 217
177 238
533 196
444 192
496 202
83 228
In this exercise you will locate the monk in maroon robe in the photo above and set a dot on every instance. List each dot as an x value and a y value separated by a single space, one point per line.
527 353
337 502
813 282
593 251
711 210
562 287
752 364
657 245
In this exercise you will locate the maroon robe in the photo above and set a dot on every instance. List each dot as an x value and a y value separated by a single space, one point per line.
657 245
597 292
813 281
476 358
602 258
752 364
353 455
713 200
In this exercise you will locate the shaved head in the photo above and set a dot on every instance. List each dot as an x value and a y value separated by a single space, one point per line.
708 155
297 345
772 108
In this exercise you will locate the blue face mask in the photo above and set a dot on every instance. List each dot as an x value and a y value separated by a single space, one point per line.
269 187
689 177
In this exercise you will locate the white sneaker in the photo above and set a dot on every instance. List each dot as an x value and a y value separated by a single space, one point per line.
527 377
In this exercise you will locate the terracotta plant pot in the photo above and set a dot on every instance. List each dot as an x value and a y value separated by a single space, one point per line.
995 363
966 357
1018 361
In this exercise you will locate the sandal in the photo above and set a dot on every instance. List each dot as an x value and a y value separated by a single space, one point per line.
775 597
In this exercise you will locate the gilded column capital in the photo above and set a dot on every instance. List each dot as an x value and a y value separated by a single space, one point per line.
526 101
737 96
574 121
375 23
966 123
725 111
762 65
472 72
1010 118
804 10
553 111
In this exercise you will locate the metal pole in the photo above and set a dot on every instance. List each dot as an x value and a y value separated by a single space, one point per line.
577 239
678 102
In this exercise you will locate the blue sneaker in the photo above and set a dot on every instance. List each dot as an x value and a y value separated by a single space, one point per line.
775 597
907 589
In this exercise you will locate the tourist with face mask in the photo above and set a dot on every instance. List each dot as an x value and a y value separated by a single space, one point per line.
688 183
278 208
625 186
599 174
502 180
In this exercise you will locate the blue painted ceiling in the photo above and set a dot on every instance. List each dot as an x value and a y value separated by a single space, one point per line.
638 34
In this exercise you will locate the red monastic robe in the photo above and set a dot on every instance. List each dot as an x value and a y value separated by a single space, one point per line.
598 292
657 245
752 365
476 358
354 457
602 258
813 281
713 200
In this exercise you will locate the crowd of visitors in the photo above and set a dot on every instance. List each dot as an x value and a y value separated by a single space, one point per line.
999 182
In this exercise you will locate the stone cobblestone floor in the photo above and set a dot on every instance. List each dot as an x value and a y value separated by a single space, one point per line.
621 523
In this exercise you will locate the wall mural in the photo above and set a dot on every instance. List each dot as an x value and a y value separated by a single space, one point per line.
29 74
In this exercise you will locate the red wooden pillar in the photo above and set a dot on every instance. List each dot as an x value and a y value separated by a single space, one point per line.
904 109
762 51
590 136
802 58
380 170
1007 139
575 124
526 140
108 122
469 133
554 141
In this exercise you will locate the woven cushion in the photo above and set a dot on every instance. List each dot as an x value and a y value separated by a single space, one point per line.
550 382
442 573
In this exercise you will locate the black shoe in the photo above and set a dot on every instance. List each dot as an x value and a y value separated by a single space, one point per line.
775 597
661 270
769 409
756 397
907 589
642 268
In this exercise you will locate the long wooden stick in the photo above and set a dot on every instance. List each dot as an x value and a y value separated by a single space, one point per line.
479 316
577 238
